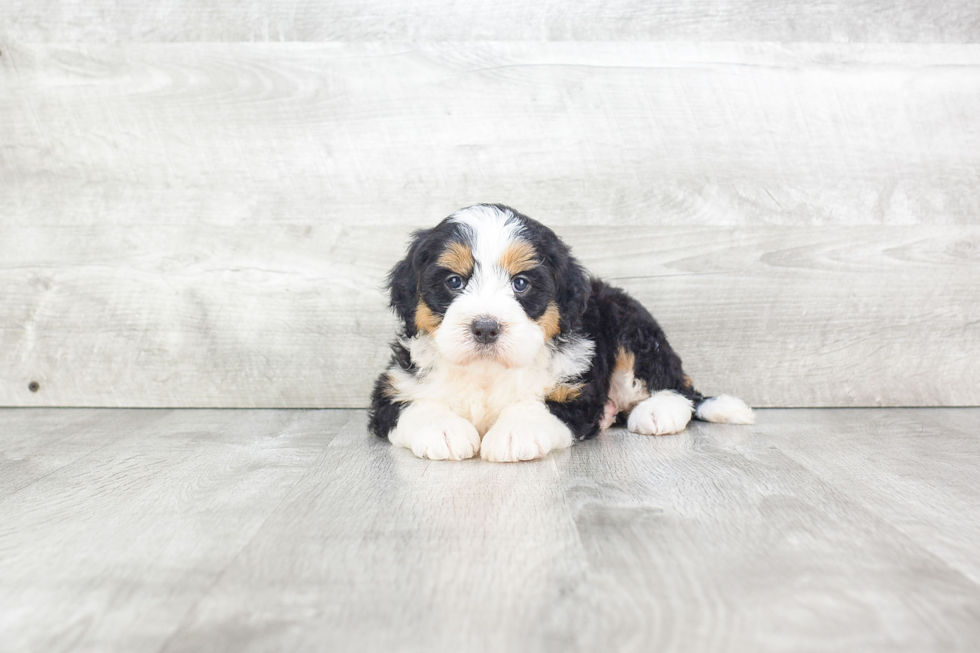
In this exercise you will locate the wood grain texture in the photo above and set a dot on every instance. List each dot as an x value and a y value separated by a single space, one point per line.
717 540
815 530
208 224
906 454
39 443
459 556
462 20
136 531
577 133
285 315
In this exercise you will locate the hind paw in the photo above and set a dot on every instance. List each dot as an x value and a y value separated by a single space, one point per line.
664 413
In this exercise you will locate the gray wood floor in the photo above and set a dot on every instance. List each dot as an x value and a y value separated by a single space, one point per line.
255 530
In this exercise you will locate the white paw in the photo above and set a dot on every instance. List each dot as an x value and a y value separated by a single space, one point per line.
436 434
454 439
725 409
664 413
524 433
509 443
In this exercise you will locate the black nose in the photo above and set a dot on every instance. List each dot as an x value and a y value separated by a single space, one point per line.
485 330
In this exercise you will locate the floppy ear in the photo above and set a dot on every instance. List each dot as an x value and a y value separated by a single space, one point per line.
572 289
403 282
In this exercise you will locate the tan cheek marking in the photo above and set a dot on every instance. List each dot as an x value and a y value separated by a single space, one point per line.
425 319
687 381
550 321
519 256
564 392
458 257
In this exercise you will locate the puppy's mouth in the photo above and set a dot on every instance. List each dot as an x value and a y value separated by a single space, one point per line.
486 336
486 351
482 339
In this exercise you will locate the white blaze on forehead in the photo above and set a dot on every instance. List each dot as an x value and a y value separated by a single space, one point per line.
491 230
488 293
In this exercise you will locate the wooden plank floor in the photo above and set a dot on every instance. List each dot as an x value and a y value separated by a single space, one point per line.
293 530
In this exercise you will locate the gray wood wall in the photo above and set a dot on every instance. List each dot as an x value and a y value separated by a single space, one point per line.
199 200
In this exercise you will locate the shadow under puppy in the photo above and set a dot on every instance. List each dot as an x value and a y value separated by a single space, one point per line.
509 349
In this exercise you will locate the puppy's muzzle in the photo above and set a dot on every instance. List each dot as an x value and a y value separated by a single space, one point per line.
485 330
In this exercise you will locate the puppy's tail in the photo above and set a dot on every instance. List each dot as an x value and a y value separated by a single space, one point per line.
723 409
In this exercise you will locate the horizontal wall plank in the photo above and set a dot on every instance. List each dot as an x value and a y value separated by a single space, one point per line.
209 224
285 315
591 20
577 133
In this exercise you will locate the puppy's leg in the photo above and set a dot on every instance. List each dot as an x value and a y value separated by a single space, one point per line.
584 413
648 382
384 412
524 431
433 431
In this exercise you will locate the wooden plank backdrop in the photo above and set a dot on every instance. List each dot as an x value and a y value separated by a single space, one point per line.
209 224
463 20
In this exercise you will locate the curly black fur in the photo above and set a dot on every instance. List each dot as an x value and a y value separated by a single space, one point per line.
614 320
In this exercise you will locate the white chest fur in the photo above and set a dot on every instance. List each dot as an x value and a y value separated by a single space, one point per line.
479 390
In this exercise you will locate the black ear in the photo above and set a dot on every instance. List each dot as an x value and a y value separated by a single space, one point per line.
572 289
403 281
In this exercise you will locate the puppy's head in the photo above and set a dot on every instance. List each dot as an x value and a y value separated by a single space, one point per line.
489 283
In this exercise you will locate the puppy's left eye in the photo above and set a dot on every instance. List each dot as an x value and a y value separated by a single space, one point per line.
455 282
520 284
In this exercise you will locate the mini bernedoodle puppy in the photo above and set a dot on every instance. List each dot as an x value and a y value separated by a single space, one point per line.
509 349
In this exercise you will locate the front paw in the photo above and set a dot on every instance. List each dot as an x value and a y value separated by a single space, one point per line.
524 435
441 437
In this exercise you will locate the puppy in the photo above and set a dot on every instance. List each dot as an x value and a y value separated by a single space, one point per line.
508 349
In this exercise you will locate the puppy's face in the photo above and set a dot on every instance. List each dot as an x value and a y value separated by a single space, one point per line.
488 283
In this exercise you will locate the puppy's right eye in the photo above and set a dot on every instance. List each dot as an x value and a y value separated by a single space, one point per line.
455 282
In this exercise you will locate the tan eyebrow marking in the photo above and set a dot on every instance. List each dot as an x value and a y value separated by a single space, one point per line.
519 256
550 321
458 257
425 319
